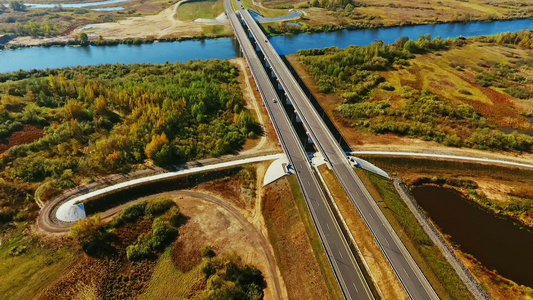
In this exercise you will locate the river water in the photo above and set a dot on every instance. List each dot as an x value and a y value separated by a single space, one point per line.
495 241
57 57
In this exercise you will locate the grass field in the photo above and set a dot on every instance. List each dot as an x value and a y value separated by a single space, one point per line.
163 283
207 9
440 274
24 274
452 76
480 76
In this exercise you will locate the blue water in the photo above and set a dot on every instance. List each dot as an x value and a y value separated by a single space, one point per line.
57 57
108 8
74 5
342 39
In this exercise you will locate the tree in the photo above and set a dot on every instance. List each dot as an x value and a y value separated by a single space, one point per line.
86 228
84 38
17 6
158 141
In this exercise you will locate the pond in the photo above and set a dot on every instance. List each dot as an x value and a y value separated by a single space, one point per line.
57 57
497 242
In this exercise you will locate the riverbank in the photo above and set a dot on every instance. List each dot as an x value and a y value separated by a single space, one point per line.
490 179
27 42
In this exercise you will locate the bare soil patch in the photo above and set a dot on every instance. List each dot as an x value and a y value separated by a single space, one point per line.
27 135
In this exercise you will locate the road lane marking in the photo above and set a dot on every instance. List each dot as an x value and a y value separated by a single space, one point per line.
405 272
343 256
356 289
328 226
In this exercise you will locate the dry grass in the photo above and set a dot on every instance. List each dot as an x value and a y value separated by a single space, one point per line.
289 227
381 270
399 12
25 275
163 285
193 10
435 73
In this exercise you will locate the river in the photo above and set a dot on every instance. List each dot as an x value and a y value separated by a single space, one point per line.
495 241
225 48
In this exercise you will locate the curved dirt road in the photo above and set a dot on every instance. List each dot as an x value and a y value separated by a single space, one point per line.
255 238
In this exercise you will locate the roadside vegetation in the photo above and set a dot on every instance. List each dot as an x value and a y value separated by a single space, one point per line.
441 275
503 190
383 89
296 244
85 122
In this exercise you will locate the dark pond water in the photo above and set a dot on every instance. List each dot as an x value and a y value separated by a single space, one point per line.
497 242
56 57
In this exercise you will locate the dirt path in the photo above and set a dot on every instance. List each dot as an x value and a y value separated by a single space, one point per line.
161 25
250 234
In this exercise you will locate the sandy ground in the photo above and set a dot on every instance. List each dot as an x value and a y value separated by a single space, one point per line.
212 221
163 25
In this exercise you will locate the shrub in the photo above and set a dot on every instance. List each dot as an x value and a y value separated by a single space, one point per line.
386 86
519 92
208 252
158 206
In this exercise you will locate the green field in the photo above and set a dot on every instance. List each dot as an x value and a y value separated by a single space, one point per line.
208 9
27 266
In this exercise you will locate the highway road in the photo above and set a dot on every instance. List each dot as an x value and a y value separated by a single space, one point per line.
413 280
346 270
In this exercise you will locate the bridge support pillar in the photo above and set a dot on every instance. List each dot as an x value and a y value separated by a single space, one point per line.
297 118
309 139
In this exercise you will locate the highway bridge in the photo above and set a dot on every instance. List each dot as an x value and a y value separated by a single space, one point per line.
346 270
410 275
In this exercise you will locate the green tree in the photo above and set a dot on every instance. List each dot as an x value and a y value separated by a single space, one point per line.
84 38
17 6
